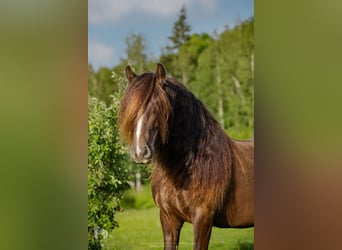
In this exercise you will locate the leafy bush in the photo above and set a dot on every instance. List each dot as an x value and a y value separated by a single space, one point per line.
108 174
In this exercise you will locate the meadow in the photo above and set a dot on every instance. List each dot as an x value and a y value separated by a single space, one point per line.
139 228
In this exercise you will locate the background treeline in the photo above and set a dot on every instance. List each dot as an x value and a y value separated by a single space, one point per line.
218 68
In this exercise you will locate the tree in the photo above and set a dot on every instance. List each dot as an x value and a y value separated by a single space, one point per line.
203 85
188 55
181 31
93 87
224 78
105 84
108 174
101 84
238 44
135 50
178 54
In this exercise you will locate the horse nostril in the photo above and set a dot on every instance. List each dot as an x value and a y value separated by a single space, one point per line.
133 153
147 152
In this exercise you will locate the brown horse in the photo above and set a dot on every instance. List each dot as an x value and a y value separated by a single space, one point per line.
201 176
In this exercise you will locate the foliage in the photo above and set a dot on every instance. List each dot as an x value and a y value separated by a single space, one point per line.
108 175
224 78
102 85
186 60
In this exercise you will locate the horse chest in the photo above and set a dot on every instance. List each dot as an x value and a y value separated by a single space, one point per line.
170 198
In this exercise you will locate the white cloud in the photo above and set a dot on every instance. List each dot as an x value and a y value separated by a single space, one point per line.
208 4
101 11
100 54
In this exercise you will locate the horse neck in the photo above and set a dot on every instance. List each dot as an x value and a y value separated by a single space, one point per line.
197 153
190 126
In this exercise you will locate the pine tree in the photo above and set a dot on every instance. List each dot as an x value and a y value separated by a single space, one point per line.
181 31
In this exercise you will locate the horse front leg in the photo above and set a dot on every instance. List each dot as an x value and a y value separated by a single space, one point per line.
171 226
202 224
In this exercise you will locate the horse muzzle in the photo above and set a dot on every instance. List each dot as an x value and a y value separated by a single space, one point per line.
141 154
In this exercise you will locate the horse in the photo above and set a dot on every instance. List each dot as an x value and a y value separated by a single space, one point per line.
200 175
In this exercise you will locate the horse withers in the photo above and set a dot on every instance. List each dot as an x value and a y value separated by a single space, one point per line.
200 175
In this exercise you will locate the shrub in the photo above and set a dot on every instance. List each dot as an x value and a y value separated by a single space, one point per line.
108 174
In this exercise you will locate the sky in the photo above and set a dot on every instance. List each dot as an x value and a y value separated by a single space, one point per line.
111 21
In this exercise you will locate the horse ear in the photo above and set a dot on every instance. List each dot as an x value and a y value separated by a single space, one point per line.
160 73
129 73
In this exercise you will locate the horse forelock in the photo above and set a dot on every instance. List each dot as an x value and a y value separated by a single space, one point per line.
143 96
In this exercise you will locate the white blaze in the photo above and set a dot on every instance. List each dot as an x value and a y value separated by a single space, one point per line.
138 132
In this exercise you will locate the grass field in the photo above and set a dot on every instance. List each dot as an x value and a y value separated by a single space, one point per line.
140 229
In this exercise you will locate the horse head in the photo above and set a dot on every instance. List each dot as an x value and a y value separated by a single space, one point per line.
144 113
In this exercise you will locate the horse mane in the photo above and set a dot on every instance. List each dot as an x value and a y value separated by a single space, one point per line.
197 148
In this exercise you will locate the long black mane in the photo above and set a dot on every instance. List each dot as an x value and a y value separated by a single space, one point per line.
196 149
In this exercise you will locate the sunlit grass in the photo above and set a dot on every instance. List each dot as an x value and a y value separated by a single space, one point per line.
140 229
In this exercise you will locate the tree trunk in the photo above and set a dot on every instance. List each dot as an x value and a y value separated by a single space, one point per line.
138 182
219 86
238 88
252 62
220 99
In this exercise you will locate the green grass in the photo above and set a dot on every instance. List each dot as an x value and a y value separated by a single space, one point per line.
140 229
140 200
